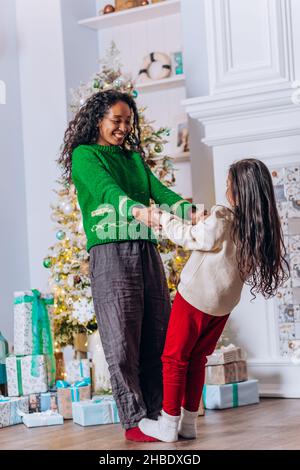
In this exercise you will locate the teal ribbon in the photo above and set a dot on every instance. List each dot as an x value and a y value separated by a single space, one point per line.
75 395
235 395
19 375
81 368
42 342
204 396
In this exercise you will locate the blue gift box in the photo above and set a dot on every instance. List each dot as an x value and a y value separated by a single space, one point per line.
230 395
100 410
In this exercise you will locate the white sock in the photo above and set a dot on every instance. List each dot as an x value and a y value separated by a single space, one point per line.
165 428
188 424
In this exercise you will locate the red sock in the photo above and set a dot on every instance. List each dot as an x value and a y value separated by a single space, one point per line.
135 434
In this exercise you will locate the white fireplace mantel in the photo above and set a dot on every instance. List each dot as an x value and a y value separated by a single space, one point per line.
253 51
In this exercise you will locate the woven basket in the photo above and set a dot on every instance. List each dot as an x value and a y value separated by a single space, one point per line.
125 4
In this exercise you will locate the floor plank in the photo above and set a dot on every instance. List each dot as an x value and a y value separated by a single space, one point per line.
272 424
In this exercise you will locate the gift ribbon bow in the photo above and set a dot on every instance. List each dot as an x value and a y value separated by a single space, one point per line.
75 395
42 342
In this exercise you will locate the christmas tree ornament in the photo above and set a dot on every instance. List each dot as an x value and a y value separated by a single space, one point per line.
158 148
60 235
47 262
135 93
68 209
84 268
96 84
144 3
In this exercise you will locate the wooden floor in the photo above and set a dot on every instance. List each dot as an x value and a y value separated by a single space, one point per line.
272 424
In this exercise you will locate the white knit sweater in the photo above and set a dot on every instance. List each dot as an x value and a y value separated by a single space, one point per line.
210 280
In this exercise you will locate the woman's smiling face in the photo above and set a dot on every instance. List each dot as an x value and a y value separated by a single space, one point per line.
116 125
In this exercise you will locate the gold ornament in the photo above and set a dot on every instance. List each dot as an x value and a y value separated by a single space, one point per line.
84 268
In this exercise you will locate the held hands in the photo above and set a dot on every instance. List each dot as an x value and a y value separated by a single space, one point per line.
151 216
148 215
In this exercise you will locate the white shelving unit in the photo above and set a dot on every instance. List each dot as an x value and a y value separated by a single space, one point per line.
176 80
132 15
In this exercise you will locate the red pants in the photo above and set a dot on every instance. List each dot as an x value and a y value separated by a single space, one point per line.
191 336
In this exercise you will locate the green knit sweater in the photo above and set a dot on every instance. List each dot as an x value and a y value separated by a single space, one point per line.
110 181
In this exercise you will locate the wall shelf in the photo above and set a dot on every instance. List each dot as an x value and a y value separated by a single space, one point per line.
132 15
154 85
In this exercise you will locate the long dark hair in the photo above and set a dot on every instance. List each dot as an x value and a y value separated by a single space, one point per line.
83 129
256 231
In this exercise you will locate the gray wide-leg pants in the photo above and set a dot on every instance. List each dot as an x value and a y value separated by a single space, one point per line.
132 307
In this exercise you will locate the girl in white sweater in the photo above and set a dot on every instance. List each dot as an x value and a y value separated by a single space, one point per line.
235 245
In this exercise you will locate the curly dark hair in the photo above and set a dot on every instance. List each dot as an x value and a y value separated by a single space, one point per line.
83 129
257 233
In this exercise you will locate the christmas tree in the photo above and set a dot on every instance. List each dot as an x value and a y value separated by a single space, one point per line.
68 260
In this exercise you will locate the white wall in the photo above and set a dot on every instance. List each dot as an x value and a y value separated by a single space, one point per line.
80 47
44 119
54 55
13 235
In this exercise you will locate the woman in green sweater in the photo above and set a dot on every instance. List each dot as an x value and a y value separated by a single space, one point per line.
103 157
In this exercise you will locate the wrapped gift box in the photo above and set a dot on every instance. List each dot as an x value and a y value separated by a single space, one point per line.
100 410
9 410
46 418
225 355
77 369
30 306
26 375
67 394
226 373
230 395
39 402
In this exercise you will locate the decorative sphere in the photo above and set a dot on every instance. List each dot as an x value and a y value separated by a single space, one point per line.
168 132
47 262
118 82
144 2
57 279
106 86
81 102
135 93
60 235
158 148
68 209
108 9
96 84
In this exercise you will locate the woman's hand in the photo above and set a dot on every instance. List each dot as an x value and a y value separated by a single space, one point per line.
148 216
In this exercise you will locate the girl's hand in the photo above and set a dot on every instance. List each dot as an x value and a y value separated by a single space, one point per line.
199 216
